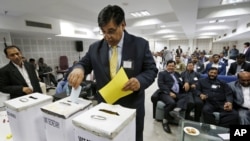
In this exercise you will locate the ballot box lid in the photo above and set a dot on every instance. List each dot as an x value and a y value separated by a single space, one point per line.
64 108
28 101
105 120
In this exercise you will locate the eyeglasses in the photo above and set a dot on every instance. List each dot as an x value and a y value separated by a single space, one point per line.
110 32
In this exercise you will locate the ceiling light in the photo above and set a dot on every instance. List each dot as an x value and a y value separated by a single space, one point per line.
212 21
223 2
221 20
140 13
162 26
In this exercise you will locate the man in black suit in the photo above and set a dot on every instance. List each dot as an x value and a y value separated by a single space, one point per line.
172 92
133 55
239 65
18 78
198 66
178 51
247 51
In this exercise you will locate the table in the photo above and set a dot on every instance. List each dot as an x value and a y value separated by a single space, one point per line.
208 132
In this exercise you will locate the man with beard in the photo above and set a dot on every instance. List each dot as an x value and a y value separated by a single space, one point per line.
241 89
218 97
198 66
217 64
239 65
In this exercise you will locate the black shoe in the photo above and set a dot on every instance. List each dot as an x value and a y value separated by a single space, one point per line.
166 127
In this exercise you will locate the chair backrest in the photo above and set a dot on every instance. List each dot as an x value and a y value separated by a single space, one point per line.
63 62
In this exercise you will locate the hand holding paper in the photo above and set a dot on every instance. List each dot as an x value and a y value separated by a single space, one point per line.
75 94
113 90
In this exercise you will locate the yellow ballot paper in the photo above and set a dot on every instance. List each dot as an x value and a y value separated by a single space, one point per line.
113 90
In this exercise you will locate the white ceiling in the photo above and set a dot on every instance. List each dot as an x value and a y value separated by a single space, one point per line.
184 19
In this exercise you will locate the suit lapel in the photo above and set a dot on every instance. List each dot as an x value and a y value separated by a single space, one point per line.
16 73
104 57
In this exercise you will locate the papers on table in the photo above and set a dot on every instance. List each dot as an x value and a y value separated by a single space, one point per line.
113 90
225 136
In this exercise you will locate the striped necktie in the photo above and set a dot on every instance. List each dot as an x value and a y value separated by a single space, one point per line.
113 62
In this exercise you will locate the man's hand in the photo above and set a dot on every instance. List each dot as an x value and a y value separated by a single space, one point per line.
27 90
203 96
133 84
228 106
173 95
75 77
186 86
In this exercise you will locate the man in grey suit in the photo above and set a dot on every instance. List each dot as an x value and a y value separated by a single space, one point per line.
241 89
133 55
18 77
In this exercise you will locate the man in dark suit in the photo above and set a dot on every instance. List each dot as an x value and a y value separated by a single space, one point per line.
218 97
178 51
133 55
171 92
198 66
18 78
247 51
239 65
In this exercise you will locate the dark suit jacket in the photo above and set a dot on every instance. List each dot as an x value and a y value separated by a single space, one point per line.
222 68
178 52
12 81
247 54
199 67
233 67
136 50
166 82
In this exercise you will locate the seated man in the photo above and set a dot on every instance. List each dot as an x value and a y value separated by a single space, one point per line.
218 97
18 77
241 89
190 78
171 92
217 64
239 65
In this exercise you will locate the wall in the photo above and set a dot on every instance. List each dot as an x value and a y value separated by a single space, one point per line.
50 50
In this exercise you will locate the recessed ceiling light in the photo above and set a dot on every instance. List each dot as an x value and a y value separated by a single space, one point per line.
221 20
140 13
212 21
162 26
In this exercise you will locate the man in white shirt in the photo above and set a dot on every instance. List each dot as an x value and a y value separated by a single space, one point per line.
18 78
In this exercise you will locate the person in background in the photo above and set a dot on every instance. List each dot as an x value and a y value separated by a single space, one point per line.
167 55
224 51
217 64
198 66
247 51
18 77
178 51
45 71
172 92
118 49
202 57
33 62
241 89
190 78
180 66
223 59
217 97
233 53
239 65
63 84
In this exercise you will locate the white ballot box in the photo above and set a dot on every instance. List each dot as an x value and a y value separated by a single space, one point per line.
105 122
58 118
25 116
5 132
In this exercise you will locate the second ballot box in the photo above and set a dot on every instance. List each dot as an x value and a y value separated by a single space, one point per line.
105 122
58 118
25 116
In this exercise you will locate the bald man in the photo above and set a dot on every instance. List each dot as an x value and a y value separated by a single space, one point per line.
241 89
